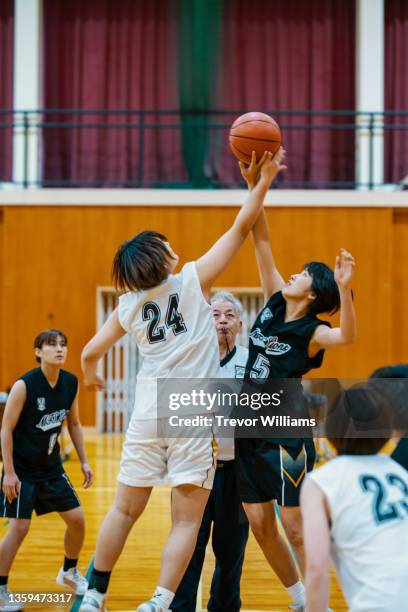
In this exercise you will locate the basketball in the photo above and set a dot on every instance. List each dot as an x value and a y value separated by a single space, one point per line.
254 132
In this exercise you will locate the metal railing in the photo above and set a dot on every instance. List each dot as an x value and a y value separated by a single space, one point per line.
145 148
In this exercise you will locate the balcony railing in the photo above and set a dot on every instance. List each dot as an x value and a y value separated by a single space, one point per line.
168 148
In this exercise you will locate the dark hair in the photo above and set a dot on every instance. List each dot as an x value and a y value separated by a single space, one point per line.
324 287
392 382
47 337
359 411
141 263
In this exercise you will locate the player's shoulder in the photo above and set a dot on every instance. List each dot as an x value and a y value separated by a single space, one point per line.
30 376
69 376
275 299
273 308
188 272
332 469
69 379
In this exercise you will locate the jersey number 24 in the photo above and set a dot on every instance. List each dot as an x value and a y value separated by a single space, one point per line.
173 320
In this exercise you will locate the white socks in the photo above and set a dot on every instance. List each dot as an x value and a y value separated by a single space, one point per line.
298 593
164 597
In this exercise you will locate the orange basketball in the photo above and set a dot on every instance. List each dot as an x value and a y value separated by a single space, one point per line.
254 132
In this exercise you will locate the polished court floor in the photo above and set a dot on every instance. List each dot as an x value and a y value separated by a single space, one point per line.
136 573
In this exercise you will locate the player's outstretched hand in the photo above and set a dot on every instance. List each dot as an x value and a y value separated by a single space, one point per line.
272 165
88 475
94 382
11 486
344 269
251 173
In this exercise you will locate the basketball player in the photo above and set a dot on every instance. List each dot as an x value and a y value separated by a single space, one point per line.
171 320
357 506
33 477
397 393
224 510
286 341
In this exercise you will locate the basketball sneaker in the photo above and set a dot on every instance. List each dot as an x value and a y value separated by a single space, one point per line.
72 579
152 606
6 600
93 601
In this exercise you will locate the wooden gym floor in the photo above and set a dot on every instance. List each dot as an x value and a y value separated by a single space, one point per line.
136 573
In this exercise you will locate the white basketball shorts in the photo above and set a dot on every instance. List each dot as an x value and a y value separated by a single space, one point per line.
148 460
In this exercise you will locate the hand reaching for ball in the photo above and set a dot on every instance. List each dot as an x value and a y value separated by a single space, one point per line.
267 168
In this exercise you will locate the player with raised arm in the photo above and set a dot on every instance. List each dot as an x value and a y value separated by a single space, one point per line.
286 341
33 476
172 322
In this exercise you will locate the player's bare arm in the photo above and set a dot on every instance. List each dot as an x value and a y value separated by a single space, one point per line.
271 279
210 265
316 536
14 406
324 337
96 348
76 435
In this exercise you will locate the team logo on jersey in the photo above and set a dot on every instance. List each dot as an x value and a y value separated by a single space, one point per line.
274 347
49 421
41 403
266 314
271 344
258 338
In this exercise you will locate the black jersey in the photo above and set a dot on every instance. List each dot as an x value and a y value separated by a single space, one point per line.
36 452
278 349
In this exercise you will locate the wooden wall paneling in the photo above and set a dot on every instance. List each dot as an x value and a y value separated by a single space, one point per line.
399 281
55 257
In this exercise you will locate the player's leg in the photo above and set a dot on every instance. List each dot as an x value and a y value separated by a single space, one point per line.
185 599
19 513
263 522
10 544
191 468
259 484
291 518
187 508
129 504
293 472
74 533
69 576
58 495
229 538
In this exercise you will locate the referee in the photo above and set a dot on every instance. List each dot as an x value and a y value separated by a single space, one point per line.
224 510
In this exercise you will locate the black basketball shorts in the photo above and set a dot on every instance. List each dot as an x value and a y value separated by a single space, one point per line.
267 471
56 495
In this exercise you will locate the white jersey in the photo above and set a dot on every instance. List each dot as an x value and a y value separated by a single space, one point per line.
368 500
232 366
173 326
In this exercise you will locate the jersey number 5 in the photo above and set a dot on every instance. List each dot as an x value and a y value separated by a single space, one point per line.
174 319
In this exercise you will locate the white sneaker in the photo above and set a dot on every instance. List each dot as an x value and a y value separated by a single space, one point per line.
152 606
72 579
93 601
6 601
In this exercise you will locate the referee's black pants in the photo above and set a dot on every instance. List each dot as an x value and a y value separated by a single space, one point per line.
229 538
